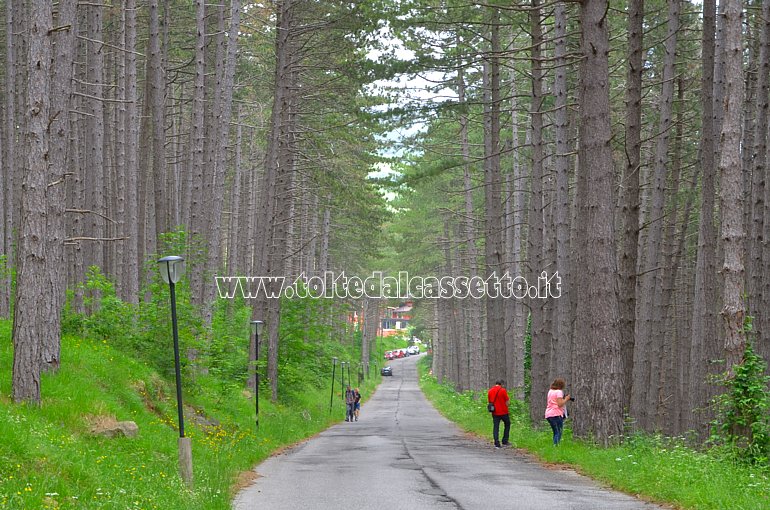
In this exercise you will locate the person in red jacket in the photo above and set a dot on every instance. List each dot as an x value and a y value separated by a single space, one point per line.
498 396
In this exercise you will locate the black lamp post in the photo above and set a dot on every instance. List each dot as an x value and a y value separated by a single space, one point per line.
171 269
342 365
256 326
334 369
350 379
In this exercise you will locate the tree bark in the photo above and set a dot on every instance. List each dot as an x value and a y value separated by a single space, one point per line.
562 321
223 112
646 370
131 255
473 306
516 338
540 369
94 169
59 133
627 263
493 248
704 327
35 305
10 167
157 89
598 413
760 229
731 187
195 172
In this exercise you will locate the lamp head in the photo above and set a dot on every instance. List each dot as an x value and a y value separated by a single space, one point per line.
257 326
171 268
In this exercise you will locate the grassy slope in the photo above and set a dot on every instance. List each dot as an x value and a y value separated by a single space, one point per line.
49 460
663 471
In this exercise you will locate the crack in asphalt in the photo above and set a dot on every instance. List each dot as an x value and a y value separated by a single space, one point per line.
445 498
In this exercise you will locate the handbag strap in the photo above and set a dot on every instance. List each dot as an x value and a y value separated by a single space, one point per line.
494 399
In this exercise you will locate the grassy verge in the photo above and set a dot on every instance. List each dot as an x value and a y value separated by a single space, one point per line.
49 459
655 468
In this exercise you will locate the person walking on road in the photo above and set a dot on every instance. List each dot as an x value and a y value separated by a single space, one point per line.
554 411
350 402
357 403
498 397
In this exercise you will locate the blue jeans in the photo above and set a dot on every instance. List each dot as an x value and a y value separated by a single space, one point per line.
557 425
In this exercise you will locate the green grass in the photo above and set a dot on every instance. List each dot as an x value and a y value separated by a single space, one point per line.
48 458
655 468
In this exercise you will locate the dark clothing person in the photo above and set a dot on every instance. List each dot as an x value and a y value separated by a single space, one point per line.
357 404
496 419
498 396
350 403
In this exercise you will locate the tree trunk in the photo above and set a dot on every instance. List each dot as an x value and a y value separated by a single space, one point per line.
157 88
473 307
562 323
731 187
493 247
131 266
540 369
223 111
704 328
34 306
197 225
94 251
759 191
10 168
648 342
235 213
599 411
627 263
59 133
516 338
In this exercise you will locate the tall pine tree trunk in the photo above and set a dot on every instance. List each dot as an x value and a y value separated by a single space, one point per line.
35 305
599 411
540 370
704 328
59 132
731 187
646 370
493 208
628 255
562 323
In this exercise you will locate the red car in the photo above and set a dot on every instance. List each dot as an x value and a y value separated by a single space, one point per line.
389 355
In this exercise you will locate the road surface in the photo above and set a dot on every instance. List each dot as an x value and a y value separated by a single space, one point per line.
403 455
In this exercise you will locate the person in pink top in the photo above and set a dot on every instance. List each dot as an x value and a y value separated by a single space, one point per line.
554 411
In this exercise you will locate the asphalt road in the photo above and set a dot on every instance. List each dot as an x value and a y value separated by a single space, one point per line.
402 454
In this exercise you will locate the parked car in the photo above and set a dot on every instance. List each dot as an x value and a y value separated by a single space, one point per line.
413 349
386 371
400 353
389 355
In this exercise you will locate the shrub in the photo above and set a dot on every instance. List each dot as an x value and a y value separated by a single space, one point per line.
742 423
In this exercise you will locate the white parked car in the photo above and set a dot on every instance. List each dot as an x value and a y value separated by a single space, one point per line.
413 349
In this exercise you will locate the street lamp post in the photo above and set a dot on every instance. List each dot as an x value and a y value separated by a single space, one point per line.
171 269
350 379
256 326
342 365
334 369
